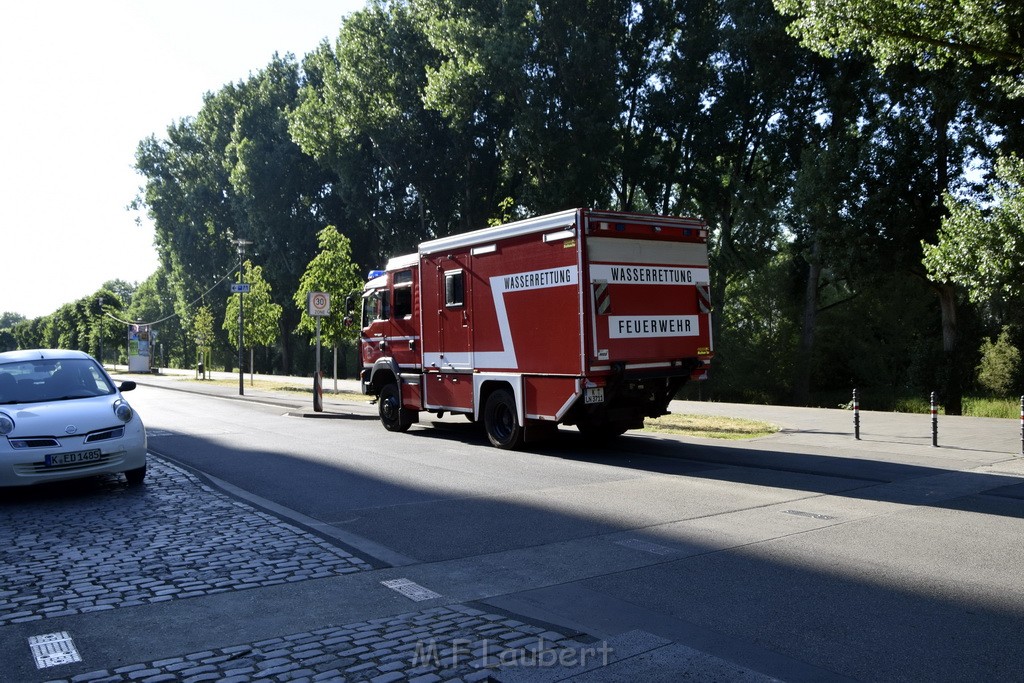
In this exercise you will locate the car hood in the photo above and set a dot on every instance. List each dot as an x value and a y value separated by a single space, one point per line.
63 418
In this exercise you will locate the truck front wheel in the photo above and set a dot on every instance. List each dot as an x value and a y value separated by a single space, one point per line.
389 407
501 421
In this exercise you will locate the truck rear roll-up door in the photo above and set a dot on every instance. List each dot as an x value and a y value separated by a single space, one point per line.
646 299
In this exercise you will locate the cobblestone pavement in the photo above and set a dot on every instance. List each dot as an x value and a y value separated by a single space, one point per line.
72 552
174 538
454 643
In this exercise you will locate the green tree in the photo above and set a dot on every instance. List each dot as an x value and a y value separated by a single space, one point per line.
1000 367
187 195
281 196
539 87
233 171
28 333
333 272
948 40
758 334
103 330
261 315
401 174
981 248
930 34
202 334
8 320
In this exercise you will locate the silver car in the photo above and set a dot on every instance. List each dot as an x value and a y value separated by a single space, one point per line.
61 417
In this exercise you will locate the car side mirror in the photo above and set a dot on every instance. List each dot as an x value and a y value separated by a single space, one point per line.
127 386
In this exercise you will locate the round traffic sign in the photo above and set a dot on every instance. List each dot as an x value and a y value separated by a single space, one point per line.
318 304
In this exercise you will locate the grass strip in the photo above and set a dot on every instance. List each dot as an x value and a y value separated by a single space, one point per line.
709 426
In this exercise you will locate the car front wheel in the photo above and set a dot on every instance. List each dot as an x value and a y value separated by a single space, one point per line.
136 477
389 407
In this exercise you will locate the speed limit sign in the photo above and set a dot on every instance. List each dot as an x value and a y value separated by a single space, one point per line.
318 304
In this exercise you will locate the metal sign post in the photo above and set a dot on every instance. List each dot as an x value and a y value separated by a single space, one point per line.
241 288
318 305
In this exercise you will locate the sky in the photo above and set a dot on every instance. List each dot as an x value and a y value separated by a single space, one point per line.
82 84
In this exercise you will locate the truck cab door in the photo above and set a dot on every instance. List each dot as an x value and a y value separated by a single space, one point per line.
454 322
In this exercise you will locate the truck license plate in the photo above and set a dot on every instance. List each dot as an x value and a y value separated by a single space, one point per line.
74 458
594 395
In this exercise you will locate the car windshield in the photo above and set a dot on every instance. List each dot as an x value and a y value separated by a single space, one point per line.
38 381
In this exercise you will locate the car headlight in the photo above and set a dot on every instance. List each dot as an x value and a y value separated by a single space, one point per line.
6 425
123 410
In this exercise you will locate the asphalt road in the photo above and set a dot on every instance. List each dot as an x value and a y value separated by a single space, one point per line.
265 530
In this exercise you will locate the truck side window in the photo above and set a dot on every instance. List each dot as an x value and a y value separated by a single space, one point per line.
454 288
402 301
373 307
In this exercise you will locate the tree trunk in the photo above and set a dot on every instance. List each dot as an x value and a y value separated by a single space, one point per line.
802 381
286 356
952 391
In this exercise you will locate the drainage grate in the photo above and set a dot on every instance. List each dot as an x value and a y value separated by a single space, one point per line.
800 513
52 649
411 590
653 548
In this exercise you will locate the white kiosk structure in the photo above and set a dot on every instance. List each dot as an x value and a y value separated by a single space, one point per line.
140 348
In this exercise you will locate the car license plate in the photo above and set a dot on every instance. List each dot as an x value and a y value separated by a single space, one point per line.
74 458
595 395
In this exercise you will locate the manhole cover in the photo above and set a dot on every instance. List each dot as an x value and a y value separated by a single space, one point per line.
52 649
411 590
653 548
801 513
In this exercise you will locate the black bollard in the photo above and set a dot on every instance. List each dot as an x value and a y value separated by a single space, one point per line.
856 416
318 393
935 421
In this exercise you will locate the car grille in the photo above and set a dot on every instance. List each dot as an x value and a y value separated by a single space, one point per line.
50 442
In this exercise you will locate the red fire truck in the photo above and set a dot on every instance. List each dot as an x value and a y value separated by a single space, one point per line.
583 317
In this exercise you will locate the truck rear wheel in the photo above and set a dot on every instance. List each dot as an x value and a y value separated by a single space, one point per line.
501 422
389 407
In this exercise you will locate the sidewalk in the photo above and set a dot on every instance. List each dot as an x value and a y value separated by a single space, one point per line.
225 384
966 440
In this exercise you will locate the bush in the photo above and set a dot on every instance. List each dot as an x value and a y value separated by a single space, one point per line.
999 370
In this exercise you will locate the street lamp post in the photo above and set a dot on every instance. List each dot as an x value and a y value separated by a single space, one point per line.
242 244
